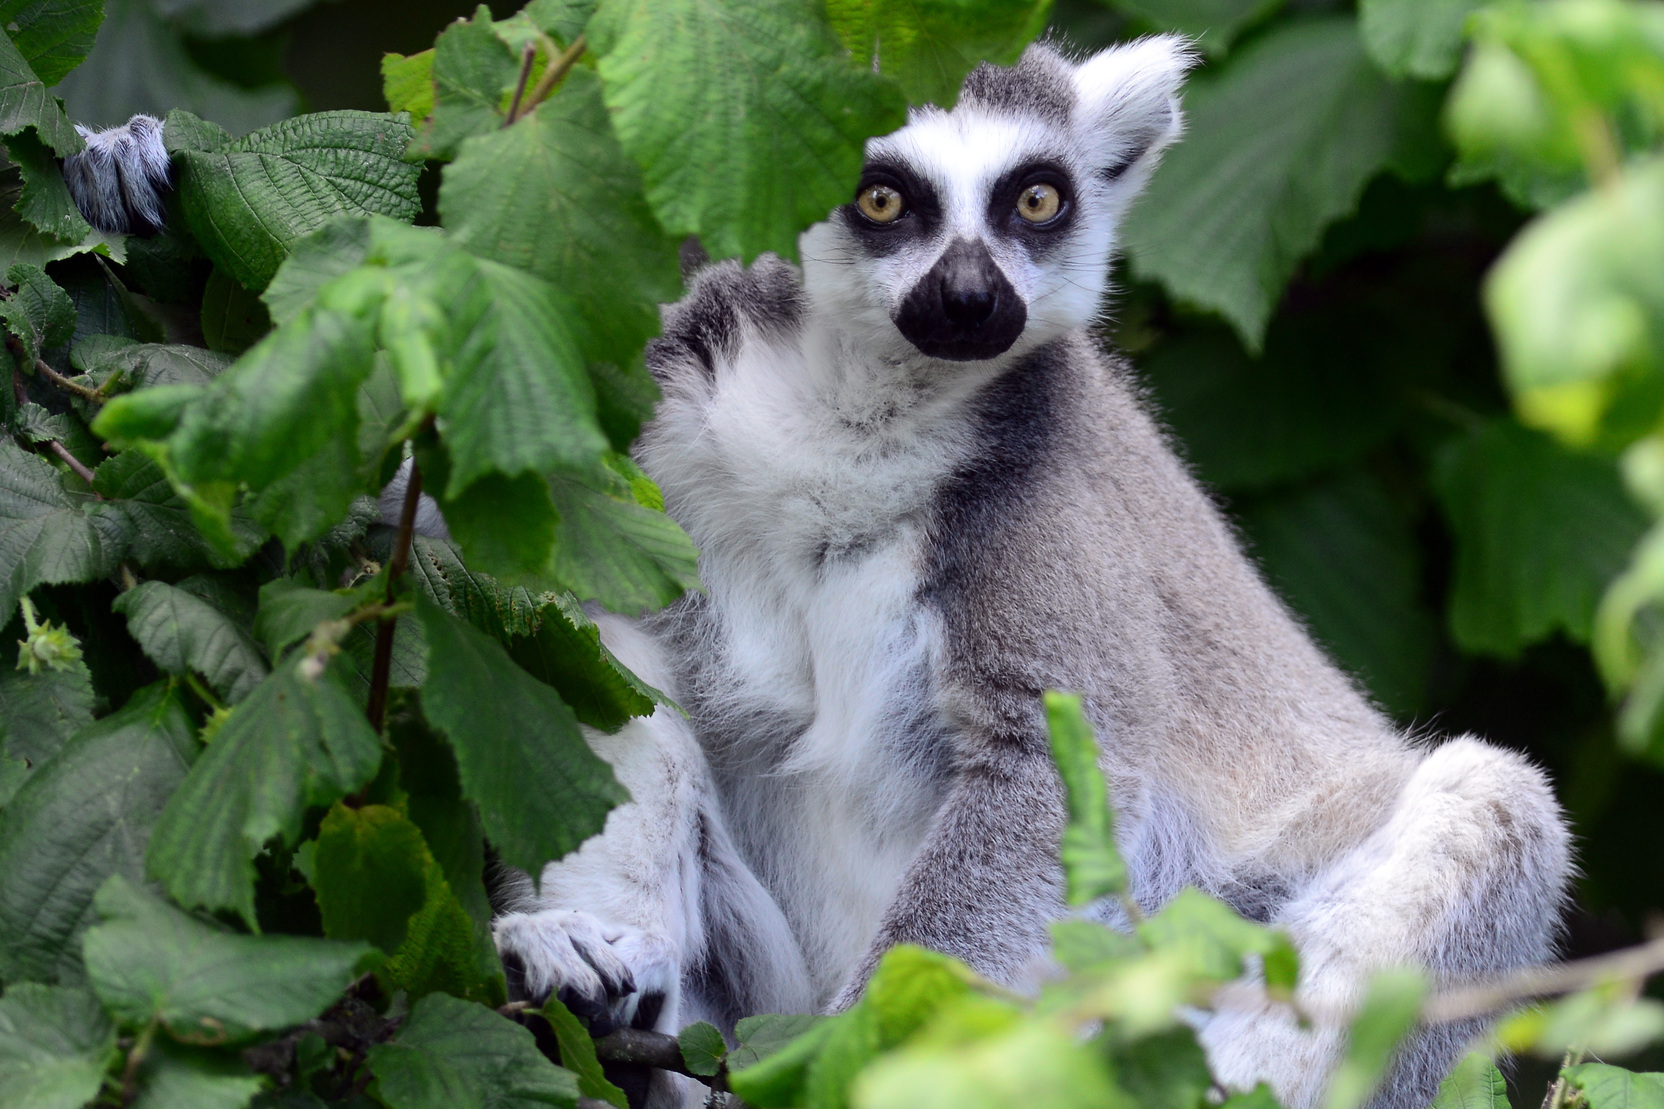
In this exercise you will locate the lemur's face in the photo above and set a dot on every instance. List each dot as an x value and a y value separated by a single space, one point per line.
990 228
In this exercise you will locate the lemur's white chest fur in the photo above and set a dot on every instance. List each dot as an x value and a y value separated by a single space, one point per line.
804 472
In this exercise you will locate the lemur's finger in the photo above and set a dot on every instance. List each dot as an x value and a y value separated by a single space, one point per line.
120 181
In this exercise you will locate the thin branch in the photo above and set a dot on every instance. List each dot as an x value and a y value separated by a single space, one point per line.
135 1057
381 671
65 384
73 463
557 69
527 54
1485 998
645 1048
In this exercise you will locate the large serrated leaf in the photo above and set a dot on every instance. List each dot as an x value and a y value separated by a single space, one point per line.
611 549
296 741
183 633
45 201
748 118
24 102
471 70
85 815
1279 144
453 1053
556 195
541 791
1474 1084
1415 38
45 536
177 1077
55 1045
248 200
52 35
149 961
38 312
498 610
566 652
927 46
1540 532
154 522
1607 1087
39 712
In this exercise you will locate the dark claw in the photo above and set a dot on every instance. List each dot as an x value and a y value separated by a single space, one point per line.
591 1011
617 987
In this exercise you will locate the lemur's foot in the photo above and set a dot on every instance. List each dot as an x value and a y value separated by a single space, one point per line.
120 181
610 976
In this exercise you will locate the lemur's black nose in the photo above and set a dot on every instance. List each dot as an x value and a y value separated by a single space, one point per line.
964 309
968 307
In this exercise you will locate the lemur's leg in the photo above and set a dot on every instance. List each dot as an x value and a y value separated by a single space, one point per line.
120 181
656 921
1465 878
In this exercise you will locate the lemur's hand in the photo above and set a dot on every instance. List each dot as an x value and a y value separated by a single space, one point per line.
120 181
611 976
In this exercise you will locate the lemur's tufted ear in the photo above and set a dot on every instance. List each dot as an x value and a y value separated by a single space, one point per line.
1127 106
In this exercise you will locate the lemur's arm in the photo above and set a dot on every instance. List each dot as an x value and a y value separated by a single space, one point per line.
120 181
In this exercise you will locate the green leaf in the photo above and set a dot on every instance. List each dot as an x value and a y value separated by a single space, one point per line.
1415 38
1092 866
182 633
55 1045
1344 555
289 612
1166 1071
21 241
39 712
248 200
556 195
85 815
38 312
1208 935
376 880
149 961
1214 24
1388 1013
295 741
516 397
45 201
1278 145
53 35
1577 305
472 68
1474 1084
1540 531
778 1076
24 102
174 1077
233 319
747 118
1083 946
145 365
577 1054
1036 1064
757 1038
305 503
499 611
566 652
1609 1087
541 791
13 773
314 260
504 525
609 548
703 1048
927 46
453 1054
407 83
155 521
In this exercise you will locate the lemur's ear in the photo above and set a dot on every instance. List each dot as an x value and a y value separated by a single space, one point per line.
1127 106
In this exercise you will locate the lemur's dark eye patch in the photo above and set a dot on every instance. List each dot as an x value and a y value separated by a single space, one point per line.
1036 197
892 206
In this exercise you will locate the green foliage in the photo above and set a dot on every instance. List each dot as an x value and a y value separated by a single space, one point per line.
1092 865
577 1054
1474 1084
1608 1087
928 46
55 1044
454 1055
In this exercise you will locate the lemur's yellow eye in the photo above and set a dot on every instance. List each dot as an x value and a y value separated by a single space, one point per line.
1038 203
880 203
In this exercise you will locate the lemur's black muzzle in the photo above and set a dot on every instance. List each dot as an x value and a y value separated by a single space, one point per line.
964 309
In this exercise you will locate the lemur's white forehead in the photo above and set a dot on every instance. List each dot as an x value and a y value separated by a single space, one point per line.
963 152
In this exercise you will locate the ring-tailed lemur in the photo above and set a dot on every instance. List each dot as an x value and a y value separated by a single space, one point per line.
922 497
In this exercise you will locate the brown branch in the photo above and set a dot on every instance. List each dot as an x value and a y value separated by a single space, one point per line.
527 54
73 463
381 671
649 1049
558 68
1484 998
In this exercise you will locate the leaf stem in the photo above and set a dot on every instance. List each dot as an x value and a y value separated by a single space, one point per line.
203 692
135 1057
381 671
528 53
73 463
551 76
65 384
